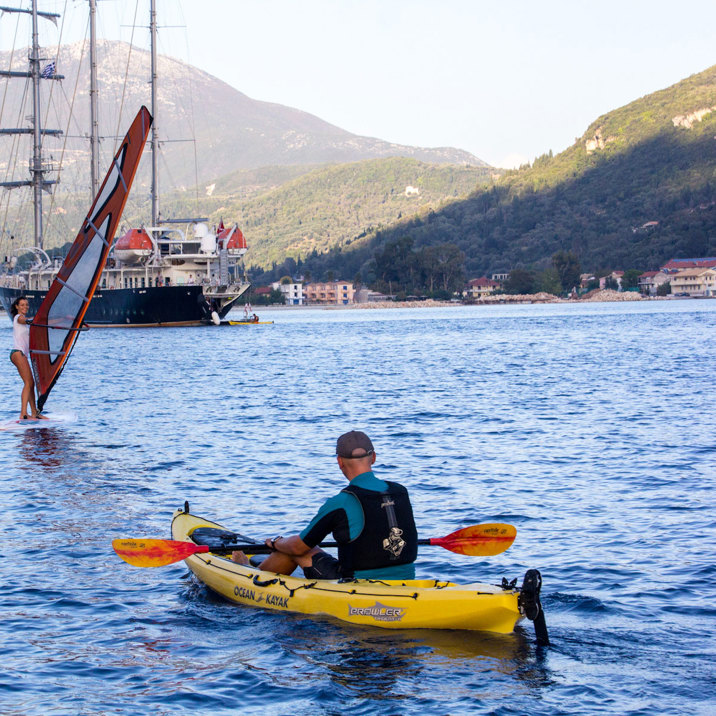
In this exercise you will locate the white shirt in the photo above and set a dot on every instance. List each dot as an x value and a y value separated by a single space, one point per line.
21 336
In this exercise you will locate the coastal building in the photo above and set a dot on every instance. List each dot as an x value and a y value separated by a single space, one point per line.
650 281
480 287
292 292
500 277
694 282
616 275
682 264
337 293
585 279
262 291
365 295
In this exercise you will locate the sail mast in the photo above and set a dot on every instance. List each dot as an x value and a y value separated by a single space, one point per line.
155 153
94 124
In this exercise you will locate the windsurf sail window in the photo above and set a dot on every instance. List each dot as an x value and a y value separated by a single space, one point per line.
59 319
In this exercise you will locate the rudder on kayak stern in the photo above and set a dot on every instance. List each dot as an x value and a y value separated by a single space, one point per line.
531 606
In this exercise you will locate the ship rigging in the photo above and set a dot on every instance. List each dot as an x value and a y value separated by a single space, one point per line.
170 272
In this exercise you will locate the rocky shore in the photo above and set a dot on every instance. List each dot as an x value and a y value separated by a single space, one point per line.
607 294
593 296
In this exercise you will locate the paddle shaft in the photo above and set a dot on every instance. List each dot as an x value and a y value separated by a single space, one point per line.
265 549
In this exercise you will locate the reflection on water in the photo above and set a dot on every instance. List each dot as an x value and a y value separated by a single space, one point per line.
50 448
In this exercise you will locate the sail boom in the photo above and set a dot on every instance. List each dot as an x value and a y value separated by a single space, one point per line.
36 351
84 327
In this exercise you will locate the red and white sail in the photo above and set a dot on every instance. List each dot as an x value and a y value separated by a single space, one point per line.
58 321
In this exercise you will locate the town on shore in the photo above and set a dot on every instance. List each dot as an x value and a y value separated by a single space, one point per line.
678 278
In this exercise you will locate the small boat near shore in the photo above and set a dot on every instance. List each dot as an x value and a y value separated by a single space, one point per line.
246 323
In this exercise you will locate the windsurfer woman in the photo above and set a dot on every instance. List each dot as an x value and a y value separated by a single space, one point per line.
20 356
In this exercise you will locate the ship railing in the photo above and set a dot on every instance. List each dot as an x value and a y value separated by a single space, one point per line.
42 260
12 281
232 289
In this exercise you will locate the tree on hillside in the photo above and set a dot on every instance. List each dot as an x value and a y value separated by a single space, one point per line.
288 266
395 263
630 279
548 281
520 281
568 268
443 265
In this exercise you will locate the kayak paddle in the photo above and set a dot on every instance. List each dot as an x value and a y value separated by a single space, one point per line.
475 541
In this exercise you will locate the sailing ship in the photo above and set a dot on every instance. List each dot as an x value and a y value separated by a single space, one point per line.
169 273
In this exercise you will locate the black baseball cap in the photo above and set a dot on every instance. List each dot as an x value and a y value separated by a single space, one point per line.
354 444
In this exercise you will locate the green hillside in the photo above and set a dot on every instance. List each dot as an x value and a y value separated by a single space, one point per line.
638 188
330 206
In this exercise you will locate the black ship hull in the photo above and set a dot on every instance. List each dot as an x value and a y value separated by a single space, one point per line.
151 306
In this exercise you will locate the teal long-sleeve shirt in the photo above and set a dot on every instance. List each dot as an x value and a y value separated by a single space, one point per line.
342 515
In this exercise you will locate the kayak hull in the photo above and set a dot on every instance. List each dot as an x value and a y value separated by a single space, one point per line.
404 604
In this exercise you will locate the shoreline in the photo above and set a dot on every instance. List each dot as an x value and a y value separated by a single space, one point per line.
600 296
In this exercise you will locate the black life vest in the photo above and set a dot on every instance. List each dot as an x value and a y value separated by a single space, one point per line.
389 536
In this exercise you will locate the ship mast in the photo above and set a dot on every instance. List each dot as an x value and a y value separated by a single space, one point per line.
94 123
37 167
155 150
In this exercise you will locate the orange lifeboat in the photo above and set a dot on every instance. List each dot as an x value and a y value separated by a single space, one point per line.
133 246
232 239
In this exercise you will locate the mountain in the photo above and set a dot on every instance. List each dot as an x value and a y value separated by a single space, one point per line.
638 188
230 131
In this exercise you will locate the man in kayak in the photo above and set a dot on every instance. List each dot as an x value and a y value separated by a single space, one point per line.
371 519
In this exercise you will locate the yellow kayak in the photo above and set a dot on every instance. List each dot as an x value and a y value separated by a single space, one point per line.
406 604
249 323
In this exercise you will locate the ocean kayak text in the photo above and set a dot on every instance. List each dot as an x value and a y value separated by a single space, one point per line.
271 599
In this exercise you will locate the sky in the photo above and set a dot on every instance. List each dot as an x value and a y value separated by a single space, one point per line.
506 80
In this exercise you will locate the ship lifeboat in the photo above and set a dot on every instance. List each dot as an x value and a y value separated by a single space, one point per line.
232 239
133 246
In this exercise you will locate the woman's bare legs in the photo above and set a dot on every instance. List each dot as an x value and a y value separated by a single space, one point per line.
28 389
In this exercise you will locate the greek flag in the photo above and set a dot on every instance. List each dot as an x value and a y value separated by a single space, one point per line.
48 70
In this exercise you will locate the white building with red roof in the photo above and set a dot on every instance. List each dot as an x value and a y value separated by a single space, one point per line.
481 287
682 264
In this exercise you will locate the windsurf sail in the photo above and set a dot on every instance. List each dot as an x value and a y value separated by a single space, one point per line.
58 321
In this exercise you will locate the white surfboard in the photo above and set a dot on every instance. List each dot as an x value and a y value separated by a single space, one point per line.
52 420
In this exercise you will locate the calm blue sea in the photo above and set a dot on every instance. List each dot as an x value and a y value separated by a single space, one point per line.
589 427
